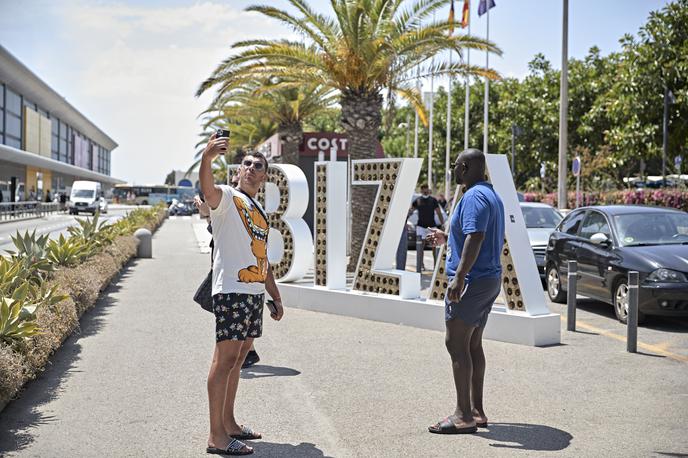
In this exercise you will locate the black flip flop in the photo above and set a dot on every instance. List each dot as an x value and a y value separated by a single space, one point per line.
246 434
234 448
481 425
447 426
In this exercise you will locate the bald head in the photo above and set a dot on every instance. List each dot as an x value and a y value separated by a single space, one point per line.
470 167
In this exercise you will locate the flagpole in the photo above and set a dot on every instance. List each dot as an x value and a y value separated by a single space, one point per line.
487 88
432 104
415 130
466 121
447 158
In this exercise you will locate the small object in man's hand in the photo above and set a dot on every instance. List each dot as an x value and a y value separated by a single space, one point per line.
222 133
271 306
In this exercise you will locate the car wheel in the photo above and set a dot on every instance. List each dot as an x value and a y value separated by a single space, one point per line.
621 303
554 290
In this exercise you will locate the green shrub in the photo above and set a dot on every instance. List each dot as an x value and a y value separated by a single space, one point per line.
68 252
32 254
17 319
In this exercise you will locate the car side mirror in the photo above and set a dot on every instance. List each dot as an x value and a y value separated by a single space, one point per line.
600 239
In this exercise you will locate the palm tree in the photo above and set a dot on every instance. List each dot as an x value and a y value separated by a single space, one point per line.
246 133
288 106
368 46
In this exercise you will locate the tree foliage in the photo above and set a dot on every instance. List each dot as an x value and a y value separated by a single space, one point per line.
615 110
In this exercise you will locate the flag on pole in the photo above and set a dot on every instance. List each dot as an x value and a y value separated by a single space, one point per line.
484 6
451 18
465 14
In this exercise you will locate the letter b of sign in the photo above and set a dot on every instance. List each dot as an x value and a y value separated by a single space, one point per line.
285 198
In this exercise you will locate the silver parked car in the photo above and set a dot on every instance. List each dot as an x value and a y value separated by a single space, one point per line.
541 219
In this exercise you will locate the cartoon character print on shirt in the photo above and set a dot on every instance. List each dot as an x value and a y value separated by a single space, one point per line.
257 229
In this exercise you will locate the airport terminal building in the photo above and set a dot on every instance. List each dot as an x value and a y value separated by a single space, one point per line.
45 143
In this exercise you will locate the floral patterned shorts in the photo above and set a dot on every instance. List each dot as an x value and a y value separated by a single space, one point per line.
238 316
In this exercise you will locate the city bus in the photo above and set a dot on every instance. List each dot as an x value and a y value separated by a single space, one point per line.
151 194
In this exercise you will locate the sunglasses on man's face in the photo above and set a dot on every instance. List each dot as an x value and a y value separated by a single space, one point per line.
258 165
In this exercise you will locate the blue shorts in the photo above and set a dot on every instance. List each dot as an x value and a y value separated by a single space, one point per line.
475 302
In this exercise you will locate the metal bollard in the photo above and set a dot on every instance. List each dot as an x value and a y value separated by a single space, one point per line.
145 249
632 318
572 284
419 254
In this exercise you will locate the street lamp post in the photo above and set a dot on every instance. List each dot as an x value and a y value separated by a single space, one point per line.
515 132
668 100
563 107
406 125
408 132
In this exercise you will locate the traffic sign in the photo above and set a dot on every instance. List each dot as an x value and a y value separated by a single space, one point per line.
576 166
678 160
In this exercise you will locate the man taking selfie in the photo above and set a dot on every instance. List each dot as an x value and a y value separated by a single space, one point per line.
241 275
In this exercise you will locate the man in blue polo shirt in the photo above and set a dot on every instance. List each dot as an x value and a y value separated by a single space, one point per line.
476 237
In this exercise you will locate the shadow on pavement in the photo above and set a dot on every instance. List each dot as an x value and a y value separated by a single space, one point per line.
20 416
669 324
304 449
261 370
596 307
521 436
657 323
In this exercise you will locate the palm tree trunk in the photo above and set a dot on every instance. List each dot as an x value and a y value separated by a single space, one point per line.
361 119
291 136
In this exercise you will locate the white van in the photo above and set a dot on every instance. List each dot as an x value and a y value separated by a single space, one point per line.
86 196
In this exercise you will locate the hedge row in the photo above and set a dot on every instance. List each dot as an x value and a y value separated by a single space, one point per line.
672 198
23 360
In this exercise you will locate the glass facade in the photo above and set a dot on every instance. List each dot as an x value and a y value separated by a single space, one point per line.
2 113
67 144
13 118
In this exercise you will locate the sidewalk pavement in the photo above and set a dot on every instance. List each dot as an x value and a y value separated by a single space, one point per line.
132 384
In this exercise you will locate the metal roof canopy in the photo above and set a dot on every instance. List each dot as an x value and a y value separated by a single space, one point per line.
17 156
21 79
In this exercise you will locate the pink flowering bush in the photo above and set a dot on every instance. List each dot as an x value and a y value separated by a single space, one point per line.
668 197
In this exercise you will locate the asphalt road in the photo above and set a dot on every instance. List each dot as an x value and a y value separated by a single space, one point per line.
667 336
53 224
132 383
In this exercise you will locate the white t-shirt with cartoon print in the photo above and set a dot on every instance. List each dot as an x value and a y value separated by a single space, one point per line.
240 234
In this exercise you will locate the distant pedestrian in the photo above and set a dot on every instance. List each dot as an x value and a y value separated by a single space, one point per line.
48 197
241 275
427 207
476 237
442 201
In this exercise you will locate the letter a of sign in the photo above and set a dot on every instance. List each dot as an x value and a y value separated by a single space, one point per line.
396 179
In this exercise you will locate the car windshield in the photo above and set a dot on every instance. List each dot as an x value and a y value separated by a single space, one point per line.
652 229
541 217
83 193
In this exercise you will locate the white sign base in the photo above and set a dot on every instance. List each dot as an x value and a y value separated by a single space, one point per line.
503 325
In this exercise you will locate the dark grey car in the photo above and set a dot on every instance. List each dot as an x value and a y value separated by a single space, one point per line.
608 242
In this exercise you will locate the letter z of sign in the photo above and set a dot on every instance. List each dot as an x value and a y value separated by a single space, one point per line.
396 179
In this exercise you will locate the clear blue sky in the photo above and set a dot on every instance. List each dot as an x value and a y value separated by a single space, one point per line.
132 66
